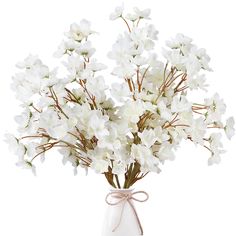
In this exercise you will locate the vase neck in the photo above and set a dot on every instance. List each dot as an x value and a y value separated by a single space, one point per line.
122 190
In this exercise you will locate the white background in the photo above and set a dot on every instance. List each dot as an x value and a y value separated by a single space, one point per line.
188 198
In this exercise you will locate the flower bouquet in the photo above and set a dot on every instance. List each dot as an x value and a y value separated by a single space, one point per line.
126 130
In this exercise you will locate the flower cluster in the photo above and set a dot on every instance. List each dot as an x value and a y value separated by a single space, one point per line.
130 128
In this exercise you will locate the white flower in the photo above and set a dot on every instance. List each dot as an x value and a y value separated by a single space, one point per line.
26 165
123 50
29 62
197 130
152 32
164 111
117 12
12 141
86 49
186 56
161 134
192 65
74 64
119 167
66 47
197 82
148 137
15 146
179 42
180 104
56 127
97 87
214 159
100 159
69 156
99 166
145 158
33 80
216 108
131 111
175 58
120 92
32 149
139 60
201 56
125 71
110 141
142 14
229 127
132 17
81 31
23 120
215 141
96 124
216 148
95 66
166 152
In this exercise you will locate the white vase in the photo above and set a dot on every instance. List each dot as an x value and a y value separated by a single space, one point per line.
121 218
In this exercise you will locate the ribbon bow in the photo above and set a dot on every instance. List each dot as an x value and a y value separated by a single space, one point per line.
122 198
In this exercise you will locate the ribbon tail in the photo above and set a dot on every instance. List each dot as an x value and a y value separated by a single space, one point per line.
121 214
136 216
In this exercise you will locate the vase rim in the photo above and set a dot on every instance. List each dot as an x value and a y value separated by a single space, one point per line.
121 189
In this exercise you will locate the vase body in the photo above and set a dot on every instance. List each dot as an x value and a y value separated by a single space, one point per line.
121 214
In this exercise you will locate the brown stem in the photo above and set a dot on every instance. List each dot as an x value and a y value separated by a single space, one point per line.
126 23
109 177
179 84
55 99
36 109
141 82
117 181
91 97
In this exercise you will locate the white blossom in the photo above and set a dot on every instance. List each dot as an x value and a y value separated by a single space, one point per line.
117 12
132 125
66 47
145 158
216 108
26 165
197 82
148 137
15 146
80 31
166 153
132 17
164 111
120 92
197 130
97 86
142 14
111 140
180 104
214 159
229 127
55 125
86 49
119 167
29 62
131 111
161 134
95 66
100 159
96 124
99 166
179 42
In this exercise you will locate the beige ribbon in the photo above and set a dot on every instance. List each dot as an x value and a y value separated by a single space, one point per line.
122 198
